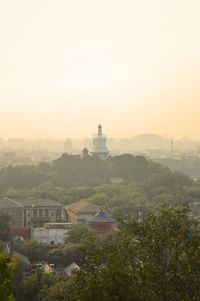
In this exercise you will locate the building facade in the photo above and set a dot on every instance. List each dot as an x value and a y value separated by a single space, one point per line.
40 211
51 233
101 223
80 211
14 209
31 212
49 236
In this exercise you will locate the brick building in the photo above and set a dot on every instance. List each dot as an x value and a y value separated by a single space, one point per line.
80 211
31 212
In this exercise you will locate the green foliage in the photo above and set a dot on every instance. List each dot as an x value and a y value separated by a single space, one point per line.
187 165
62 255
155 261
7 265
4 227
33 249
145 184
69 171
78 233
169 179
34 283
44 287
57 292
65 254
19 177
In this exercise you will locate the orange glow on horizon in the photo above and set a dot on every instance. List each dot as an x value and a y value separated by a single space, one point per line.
65 66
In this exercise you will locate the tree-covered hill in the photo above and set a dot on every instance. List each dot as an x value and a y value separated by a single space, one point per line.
144 183
75 171
188 165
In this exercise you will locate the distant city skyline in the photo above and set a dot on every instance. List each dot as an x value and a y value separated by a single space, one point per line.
131 65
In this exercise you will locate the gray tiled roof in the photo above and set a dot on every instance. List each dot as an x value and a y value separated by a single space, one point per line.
83 207
47 268
18 255
68 270
39 203
9 203
101 217
21 257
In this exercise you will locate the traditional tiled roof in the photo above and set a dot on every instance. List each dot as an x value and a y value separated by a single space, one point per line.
18 255
21 258
9 203
39 203
68 270
82 207
47 268
101 217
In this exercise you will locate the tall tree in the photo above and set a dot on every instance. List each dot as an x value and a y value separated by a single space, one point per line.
155 261
4 227
7 265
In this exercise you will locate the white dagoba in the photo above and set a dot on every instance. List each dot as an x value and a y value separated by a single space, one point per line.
99 144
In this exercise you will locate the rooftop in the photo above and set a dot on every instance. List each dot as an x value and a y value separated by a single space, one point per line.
9 203
21 257
18 255
48 268
101 217
82 207
68 270
39 203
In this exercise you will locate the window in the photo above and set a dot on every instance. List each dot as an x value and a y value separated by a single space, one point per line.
58 212
34 212
46 212
40 213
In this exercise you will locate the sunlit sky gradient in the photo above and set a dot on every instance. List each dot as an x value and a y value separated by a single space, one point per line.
67 65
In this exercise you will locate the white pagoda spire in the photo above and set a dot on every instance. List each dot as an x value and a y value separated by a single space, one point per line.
99 144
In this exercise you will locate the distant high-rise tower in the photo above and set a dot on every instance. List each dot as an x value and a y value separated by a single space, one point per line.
172 145
99 144
68 146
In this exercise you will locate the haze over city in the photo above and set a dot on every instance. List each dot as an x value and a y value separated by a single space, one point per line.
99 150
65 66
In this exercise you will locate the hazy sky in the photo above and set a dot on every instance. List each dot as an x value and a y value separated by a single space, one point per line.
66 65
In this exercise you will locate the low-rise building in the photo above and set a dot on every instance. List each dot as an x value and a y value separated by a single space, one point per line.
37 212
70 268
20 257
48 268
51 233
14 209
26 213
101 223
80 211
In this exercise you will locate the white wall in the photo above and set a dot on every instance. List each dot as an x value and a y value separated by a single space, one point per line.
48 236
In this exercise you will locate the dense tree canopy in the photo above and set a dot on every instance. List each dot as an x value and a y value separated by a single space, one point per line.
76 171
141 183
155 261
7 265
158 260
37 252
4 227
189 165
79 233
